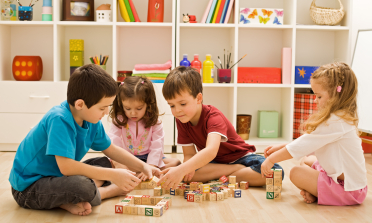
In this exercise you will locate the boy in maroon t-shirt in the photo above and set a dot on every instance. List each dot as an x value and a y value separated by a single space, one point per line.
221 151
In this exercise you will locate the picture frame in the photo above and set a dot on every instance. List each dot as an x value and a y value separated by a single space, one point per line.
78 10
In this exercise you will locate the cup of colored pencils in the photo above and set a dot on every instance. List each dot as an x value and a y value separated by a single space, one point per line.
100 61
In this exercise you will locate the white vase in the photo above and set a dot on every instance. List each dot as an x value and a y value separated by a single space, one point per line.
103 15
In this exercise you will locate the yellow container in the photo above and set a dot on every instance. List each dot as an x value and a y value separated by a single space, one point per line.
208 66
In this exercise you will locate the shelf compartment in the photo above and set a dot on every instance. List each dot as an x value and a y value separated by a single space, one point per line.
286 5
26 40
319 47
251 100
97 40
221 98
142 9
303 11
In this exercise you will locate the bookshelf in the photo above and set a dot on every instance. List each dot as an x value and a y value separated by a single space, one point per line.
24 103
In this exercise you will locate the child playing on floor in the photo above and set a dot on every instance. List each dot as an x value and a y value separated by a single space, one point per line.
47 172
336 175
136 125
221 150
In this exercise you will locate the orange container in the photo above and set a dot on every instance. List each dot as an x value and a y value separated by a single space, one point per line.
27 68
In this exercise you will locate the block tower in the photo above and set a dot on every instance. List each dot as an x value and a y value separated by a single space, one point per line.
76 54
274 185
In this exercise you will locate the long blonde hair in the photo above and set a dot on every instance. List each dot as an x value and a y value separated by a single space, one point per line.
344 103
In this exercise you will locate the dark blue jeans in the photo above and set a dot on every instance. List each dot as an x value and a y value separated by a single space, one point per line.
52 192
254 161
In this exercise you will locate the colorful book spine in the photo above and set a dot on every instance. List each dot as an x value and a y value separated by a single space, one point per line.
224 11
228 13
220 10
210 14
204 18
123 11
130 13
135 15
216 11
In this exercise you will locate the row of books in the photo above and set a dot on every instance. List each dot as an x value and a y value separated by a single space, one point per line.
128 11
218 11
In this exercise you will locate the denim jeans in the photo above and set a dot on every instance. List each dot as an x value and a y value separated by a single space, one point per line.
144 157
254 161
51 192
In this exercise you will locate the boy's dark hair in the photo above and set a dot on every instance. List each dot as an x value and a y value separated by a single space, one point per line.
140 89
90 83
182 79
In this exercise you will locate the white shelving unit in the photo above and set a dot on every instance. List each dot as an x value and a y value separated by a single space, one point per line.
312 45
132 43
126 44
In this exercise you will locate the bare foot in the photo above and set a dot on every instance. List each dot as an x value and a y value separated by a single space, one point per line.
111 191
82 208
308 198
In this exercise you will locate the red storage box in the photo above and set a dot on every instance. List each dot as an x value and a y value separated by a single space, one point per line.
267 75
304 106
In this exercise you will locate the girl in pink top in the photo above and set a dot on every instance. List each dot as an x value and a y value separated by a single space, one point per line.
136 125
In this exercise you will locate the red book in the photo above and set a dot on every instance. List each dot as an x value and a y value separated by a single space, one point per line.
135 15
220 11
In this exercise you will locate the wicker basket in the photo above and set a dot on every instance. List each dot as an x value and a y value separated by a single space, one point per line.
326 16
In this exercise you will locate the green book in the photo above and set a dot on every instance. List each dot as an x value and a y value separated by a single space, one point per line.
129 9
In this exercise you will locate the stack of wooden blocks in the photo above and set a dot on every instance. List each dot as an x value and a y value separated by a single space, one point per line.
76 54
144 204
274 185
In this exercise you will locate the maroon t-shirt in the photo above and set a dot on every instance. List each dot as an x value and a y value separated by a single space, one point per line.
232 147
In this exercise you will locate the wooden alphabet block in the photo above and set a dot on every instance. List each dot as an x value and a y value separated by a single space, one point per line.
269 195
269 188
119 208
225 194
158 192
237 186
277 182
269 181
207 196
277 189
278 173
134 210
190 197
185 193
213 196
237 193
158 211
194 186
220 196
198 198
232 179
127 209
144 185
153 182
169 199
146 199
206 188
172 192
244 185
141 209
277 196
223 179
137 199
158 199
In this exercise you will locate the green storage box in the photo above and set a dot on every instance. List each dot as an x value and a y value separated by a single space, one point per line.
76 59
268 124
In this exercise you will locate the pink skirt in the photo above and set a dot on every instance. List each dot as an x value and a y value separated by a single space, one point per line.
331 193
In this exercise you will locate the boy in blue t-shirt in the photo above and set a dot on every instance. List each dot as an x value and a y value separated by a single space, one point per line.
47 172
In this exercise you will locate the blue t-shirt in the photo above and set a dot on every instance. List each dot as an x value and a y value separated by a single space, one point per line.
56 134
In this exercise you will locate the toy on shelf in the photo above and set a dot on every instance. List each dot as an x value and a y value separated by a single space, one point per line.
261 16
155 11
303 74
47 11
25 13
268 124
76 54
27 68
100 61
243 126
7 10
103 13
274 185
188 18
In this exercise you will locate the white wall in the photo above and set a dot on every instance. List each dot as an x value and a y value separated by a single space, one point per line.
361 19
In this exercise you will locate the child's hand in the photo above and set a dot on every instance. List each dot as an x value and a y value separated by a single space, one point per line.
271 149
266 168
189 176
126 179
173 176
149 171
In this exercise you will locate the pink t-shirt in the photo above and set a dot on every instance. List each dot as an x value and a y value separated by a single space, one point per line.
149 140
212 120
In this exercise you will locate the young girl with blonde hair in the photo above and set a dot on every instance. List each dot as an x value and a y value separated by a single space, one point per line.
136 125
336 175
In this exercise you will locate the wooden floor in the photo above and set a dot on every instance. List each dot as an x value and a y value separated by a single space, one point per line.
252 207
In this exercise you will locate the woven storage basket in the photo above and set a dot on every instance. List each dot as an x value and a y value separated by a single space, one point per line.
326 16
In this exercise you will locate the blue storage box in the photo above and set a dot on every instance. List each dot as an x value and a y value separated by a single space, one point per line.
25 13
303 74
